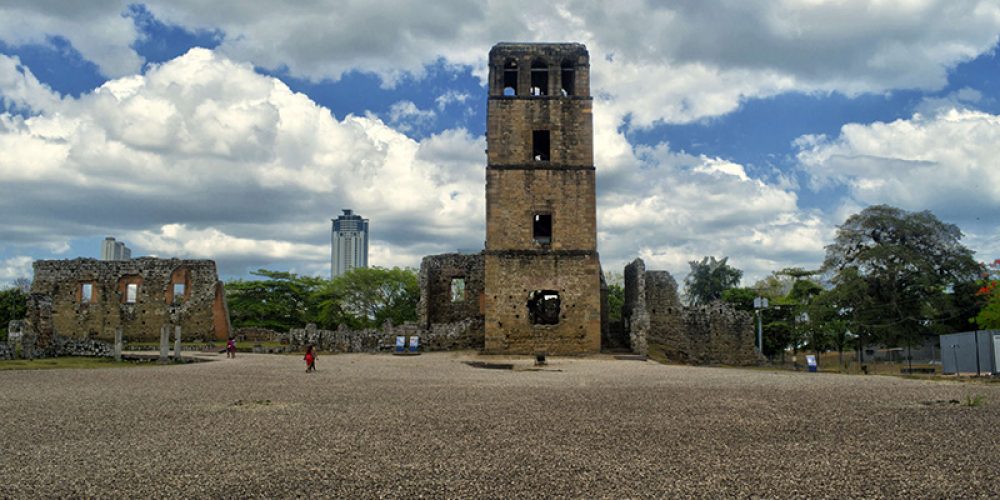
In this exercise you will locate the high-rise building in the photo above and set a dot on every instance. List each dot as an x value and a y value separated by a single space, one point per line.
349 242
115 250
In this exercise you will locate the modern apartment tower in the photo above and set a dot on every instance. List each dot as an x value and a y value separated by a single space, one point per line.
542 284
349 243
114 250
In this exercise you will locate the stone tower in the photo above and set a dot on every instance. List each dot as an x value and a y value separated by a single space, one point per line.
542 285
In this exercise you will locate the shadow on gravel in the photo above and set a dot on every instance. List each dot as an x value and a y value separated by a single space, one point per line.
490 366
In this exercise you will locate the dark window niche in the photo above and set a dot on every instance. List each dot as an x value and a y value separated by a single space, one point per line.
539 78
540 145
568 78
543 307
541 228
510 77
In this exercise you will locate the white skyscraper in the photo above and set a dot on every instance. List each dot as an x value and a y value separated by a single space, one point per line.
115 250
349 242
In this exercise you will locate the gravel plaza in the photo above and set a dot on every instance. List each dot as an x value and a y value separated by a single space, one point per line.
431 425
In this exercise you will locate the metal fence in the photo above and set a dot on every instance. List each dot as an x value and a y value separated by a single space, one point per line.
971 352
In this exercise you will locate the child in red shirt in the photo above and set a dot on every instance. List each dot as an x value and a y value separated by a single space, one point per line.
310 359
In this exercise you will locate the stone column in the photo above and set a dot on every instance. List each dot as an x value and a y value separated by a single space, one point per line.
118 344
28 340
177 343
164 342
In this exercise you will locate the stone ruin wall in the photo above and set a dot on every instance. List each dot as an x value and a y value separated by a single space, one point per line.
436 274
653 316
460 335
61 322
635 317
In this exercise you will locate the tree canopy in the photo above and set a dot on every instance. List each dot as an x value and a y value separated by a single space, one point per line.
13 305
367 297
280 302
708 279
895 272
360 298
989 290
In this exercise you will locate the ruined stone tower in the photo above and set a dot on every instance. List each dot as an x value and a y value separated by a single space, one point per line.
542 285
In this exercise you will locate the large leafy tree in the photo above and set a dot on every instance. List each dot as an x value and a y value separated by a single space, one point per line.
13 305
367 297
280 301
709 278
989 289
895 273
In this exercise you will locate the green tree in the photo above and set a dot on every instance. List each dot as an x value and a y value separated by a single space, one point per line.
989 289
13 305
367 297
616 300
708 279
740 298
280 302
894 270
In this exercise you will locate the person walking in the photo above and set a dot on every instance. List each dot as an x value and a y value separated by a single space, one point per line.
231 348
310 359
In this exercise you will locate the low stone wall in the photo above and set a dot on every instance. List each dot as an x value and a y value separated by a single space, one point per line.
83 347
248 334
6 351
465 334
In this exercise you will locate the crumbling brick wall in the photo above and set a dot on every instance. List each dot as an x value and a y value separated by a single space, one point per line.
635 316
438 275
654 317
137 296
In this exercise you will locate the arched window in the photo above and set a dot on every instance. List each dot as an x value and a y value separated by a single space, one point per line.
539 78
510 77
568 77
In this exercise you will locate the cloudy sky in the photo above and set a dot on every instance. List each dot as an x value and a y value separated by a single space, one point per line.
235 130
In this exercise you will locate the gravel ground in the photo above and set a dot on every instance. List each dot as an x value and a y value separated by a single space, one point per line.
430 425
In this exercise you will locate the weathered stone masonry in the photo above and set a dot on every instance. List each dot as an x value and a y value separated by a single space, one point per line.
542 269
654 317
88 299
451 288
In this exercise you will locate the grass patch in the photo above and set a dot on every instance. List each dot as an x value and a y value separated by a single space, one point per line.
64 362
974 401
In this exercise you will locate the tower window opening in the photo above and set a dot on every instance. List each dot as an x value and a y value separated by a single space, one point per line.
543 307
458 289
542 228
510 77
178 293
539 78
568 78
86 293
540 146
131 290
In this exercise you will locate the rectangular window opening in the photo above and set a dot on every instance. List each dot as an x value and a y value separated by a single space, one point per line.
131 290
510 81
543 307
539 81
568 77
458 289
542 228
178 292
86 293
540 146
